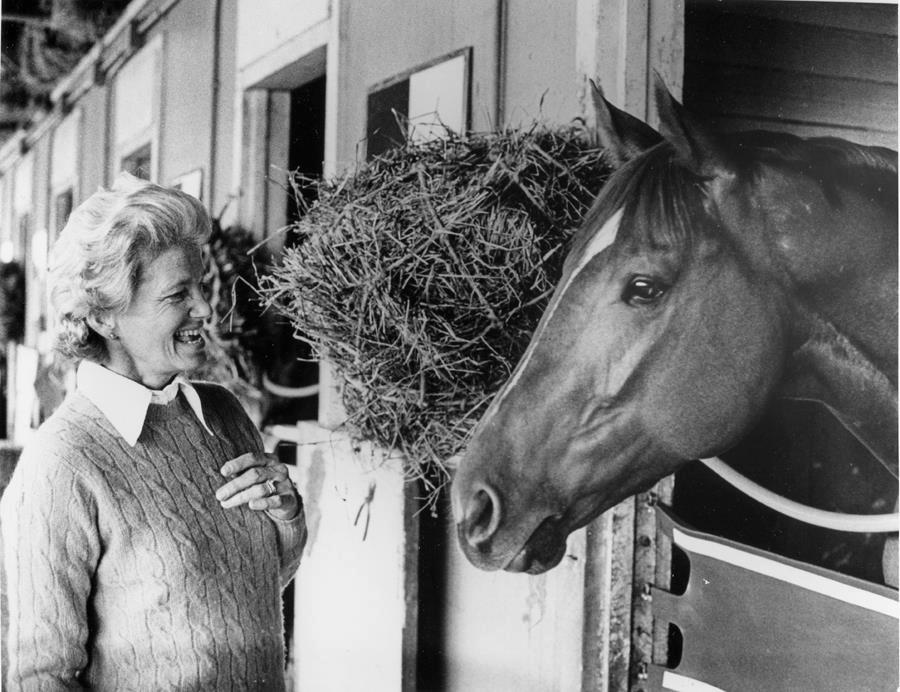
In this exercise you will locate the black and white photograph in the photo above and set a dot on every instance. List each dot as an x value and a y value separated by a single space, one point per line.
449 346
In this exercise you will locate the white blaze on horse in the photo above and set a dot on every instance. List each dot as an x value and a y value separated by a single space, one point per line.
713 275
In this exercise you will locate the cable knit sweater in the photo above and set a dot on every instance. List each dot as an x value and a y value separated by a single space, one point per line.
124 572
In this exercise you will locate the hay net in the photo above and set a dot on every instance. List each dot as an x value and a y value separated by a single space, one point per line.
421 276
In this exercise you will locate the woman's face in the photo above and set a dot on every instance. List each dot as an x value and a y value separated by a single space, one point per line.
160 333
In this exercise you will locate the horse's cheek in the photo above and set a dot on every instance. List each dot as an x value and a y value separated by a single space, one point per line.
717 384
699 420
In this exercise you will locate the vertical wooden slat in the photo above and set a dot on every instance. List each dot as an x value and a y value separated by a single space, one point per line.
652 566
254 154
277 164
621 580
606 647
645 562
595 643
665 53
11 388
410 636
663 568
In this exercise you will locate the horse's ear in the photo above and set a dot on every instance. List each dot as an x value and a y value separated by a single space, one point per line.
696 145
622 135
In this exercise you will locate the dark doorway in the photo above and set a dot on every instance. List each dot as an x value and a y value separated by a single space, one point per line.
307 136
292 368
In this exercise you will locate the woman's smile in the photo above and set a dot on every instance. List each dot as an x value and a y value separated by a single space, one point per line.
190 336
160 334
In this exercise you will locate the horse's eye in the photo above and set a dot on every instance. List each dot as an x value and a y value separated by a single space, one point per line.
642 290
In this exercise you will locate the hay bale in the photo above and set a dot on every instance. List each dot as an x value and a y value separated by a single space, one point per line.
421 277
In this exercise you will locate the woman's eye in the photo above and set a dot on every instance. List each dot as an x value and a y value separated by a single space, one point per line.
643 290
180 295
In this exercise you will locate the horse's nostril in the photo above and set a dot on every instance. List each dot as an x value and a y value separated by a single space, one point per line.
482 516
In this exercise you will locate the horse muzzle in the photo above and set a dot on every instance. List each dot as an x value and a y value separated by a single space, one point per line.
544 549
487 546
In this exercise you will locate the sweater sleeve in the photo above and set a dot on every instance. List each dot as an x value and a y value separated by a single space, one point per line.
50 551
292 536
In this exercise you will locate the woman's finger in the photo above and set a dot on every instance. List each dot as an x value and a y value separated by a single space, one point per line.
254 479
274 497
261 496
233 467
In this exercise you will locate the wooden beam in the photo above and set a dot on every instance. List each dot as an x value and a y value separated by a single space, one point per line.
277 164
255 154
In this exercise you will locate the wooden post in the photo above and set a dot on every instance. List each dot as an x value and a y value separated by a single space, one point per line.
254 168
331 408
620 43
277 164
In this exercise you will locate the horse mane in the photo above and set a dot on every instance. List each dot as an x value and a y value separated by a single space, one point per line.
835 163
664 204
830 151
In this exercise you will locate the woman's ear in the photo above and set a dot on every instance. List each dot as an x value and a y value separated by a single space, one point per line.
104 324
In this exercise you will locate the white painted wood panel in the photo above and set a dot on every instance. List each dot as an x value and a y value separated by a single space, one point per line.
514 632
264 25
64 152
350 606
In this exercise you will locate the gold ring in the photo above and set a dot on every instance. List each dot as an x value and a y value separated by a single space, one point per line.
271 487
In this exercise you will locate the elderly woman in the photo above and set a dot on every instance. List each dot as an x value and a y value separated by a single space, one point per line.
147 535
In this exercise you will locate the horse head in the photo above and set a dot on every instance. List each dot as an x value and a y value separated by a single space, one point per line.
674 323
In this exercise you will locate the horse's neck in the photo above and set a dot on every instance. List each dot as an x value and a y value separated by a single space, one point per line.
865 320
827 368
841 264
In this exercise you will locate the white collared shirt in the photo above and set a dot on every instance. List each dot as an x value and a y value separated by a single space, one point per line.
125 402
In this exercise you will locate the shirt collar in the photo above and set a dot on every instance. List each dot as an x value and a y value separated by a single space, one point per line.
125 402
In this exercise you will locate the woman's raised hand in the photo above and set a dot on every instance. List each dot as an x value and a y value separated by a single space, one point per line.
261 482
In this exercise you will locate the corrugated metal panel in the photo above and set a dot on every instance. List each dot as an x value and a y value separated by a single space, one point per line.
810 68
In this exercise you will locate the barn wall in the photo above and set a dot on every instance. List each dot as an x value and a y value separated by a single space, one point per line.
266 25
94 141
541 80
222 136
813 69
534 42
429 31
186 109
